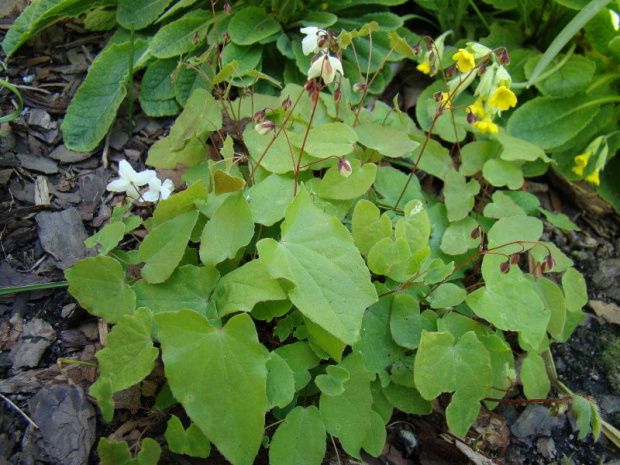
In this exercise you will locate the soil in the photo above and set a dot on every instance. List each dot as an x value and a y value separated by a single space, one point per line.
46 189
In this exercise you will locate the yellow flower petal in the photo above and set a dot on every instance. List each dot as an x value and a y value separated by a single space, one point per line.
445 97
582 160
464 60
486 126
503 98
594 178
477 108
424 67
578 170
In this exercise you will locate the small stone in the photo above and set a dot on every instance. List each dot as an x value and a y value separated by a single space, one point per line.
36 337
535 420
64 155
39 164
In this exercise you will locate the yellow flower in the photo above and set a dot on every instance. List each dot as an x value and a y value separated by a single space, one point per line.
503 98
593 178
424 67
581 161
477 108
486 125
445 97
464 60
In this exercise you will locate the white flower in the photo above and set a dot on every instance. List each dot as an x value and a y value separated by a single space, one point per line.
326 67
344 168
157 190
129 180
310 43
264 127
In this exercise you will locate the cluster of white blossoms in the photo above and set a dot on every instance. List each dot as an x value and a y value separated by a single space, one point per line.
130 181
325 66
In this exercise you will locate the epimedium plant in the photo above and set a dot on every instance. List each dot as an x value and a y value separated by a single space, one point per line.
304 277
565 57
157 35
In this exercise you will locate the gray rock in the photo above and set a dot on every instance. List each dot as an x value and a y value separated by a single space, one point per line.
37 335
39 164
535 420
66 422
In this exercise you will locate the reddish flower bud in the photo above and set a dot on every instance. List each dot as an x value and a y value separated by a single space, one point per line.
359 86
416 50
515 258
471 118
476 232
337 95
482 69
431 56
432 70
226 37
429 46
286 103
502 57
322 41
344 168
438 96
264 127
504 267
228 8
451 72
195 39
259 116
548 264
309 85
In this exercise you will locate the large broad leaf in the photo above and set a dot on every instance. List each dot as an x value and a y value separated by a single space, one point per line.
244 287
189 287
157 97
127 359
251 25
219 376
42 13
300 439
459 195
137 14
349 416
164 247
387 141
94 107
337 187
99 286
548 122
510 302
178 37
316 253
463 368
230 228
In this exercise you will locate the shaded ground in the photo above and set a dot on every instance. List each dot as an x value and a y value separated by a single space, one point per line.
51 199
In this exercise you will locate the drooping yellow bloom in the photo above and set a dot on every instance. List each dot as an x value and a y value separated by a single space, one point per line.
424 67
477 108
446 100
486 126
594 177
503 98
464 60
581 161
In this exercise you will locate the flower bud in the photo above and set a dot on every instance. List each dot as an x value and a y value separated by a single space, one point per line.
451 72
431 56
416 50
259 116
286 103
438 96
515 258
309 85
337 95
359 86
344 168
504 267
227 8
548 263
226 37
502 57
429 46
471 118
482 69
195 39
476 232
264 127
432 70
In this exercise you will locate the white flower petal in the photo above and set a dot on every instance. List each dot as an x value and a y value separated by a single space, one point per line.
144 177
326 67
150 196
118 185
166 189
126 171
